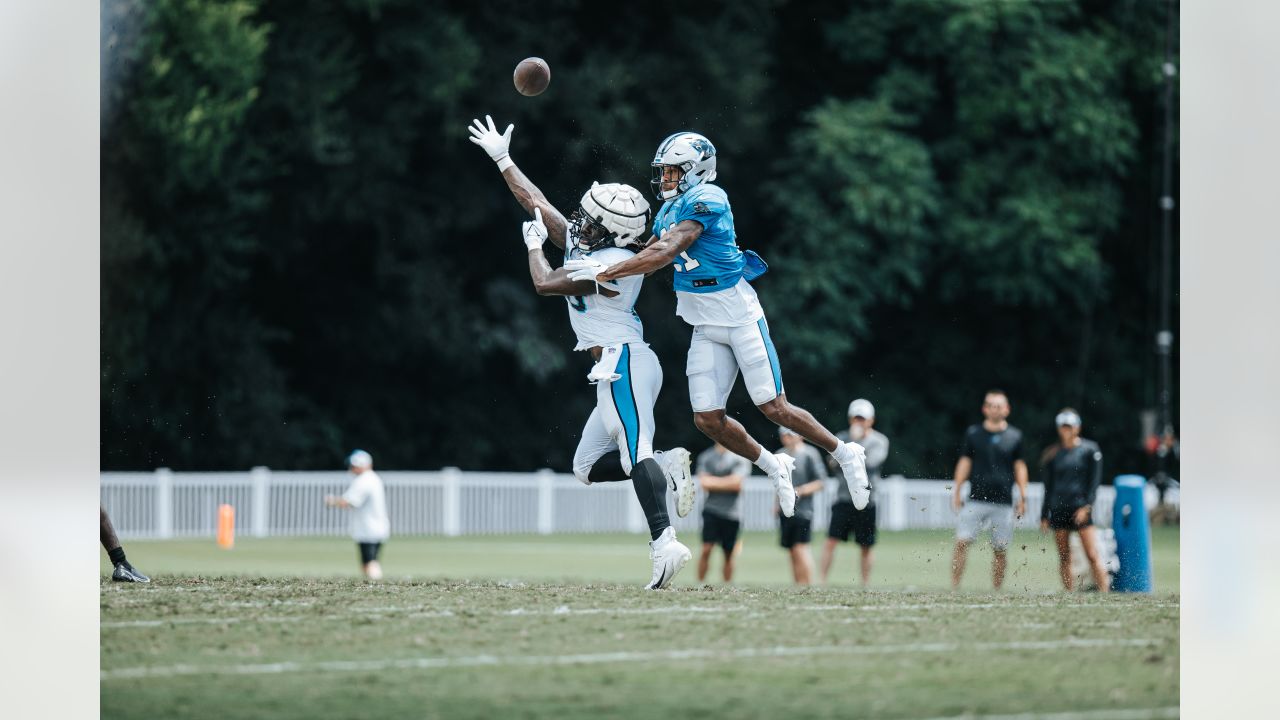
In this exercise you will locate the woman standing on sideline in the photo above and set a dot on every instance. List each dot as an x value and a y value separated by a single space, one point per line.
1072 473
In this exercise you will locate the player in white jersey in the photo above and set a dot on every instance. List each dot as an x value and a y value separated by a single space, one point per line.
603 230
694 231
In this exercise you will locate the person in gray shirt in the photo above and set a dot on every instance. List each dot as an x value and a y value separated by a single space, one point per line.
846 519
721 474
808 478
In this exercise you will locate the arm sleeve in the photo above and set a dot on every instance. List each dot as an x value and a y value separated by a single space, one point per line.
357 493
878 451
966 447
1095 476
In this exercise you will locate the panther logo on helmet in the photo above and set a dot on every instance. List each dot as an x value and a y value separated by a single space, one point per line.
611 215
693 154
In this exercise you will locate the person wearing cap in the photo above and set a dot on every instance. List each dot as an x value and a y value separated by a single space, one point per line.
845 518
807 477
367 501
1072 472
991 461
721 473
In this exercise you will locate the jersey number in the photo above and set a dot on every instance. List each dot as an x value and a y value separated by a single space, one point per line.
688 264
577 302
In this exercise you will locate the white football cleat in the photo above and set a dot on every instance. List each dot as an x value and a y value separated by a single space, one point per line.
675 465
668 555
782 484
855 474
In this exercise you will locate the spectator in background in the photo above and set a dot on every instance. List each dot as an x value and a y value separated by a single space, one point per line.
845 518
367 500
1072 472
990 459
123 572
807 478
721 474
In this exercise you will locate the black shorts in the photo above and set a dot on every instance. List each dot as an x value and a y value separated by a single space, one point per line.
846 519
795 530
369 552
1065 519
720 531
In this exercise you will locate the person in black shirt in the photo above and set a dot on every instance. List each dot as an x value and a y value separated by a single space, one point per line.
1072 473
991 460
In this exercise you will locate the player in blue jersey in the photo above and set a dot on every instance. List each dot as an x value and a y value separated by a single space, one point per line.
694 232
617 439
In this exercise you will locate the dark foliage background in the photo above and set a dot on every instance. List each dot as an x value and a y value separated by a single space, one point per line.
301 252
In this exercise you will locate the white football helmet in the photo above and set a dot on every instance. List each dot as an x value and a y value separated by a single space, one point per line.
692 153
612 215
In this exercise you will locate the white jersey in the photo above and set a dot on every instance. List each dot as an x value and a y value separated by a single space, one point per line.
734 307
600 320
369 522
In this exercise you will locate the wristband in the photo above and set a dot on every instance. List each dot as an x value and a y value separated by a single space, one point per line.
504 162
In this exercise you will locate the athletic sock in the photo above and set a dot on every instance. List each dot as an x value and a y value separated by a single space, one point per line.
651 490
607 469
843 453
116 555
768 463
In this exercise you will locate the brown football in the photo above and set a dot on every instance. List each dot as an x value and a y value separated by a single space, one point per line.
532 76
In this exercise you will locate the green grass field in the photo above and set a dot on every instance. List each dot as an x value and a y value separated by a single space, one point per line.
523 627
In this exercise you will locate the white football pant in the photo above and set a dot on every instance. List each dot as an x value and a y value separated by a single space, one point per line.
623 418
717 353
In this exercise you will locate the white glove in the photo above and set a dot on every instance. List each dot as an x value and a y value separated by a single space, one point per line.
535 233
603 371
585 268
494 144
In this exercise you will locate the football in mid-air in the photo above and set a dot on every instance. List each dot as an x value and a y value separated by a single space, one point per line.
532 76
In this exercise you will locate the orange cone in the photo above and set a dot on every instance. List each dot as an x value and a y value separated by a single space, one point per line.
226 526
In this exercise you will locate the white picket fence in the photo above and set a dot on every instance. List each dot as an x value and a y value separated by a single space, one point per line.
270 503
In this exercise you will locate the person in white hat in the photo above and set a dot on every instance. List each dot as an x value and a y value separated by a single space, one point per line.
367 500
846 519
1072 473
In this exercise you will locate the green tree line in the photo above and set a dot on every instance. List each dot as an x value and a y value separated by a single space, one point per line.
301 252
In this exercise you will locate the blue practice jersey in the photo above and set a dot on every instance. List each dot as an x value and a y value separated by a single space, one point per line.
713 262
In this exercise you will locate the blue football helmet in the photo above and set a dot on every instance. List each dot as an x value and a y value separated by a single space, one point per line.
693 154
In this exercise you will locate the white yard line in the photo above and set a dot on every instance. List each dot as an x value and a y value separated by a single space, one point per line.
435 663
419 612
200 621
411 612
1117 714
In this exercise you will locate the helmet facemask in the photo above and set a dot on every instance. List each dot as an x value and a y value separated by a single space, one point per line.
680 185
589 234
692 154
612 215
